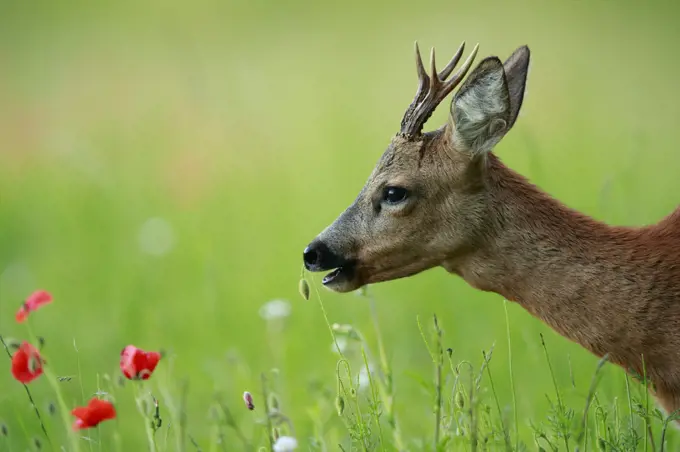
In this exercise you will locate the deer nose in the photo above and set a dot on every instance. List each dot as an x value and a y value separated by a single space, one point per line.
318 257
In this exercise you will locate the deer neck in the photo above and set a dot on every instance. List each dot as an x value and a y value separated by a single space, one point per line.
562 266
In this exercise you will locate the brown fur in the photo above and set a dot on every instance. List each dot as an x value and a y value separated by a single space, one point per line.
614 290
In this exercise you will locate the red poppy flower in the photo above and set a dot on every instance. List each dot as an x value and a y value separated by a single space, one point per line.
138 364
96 411
27 364
32 303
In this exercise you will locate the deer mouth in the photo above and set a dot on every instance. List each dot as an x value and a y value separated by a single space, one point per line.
342 279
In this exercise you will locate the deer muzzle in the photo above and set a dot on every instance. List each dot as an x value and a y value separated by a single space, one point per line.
319 257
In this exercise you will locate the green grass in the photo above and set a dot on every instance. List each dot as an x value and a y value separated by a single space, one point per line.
247 127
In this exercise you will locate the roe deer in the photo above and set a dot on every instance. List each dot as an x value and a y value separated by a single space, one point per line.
442 198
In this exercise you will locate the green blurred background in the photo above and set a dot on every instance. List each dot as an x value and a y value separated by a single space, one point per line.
163 164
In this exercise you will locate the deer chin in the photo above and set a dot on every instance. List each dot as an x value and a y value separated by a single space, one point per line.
377 275
343 279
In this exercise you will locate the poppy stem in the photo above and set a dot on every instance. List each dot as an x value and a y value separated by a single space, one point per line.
30 397
141 401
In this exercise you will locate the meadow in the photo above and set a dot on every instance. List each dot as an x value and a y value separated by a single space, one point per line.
163 165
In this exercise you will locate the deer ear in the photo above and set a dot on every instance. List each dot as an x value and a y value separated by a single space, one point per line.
481 110
516 69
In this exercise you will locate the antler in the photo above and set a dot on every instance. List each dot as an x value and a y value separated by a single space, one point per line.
433 89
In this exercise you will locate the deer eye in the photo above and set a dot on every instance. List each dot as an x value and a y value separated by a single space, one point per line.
394 195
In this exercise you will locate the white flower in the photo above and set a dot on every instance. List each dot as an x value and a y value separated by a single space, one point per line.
342 343
156 237
285 444
275 309
363 380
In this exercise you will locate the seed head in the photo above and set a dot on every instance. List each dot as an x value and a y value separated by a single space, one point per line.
37 443
248 399
4 430
51 408
303 288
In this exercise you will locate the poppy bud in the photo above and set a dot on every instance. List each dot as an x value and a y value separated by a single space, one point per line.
345 330
340 404
460 400
303 288
248 399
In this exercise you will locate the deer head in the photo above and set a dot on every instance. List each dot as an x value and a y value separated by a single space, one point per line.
426 203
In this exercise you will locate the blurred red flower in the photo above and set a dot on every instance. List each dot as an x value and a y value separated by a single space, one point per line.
96 411
32 303
137 364
27 364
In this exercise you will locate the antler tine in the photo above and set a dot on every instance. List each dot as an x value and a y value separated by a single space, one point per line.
460 73
452 64
432 89
422 75
421 93
435 82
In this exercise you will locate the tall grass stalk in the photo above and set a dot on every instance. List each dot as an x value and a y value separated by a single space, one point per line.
268 420
387 390
506 434
437 359
512 378
583 434
648 426
560 405
439 364
375 411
